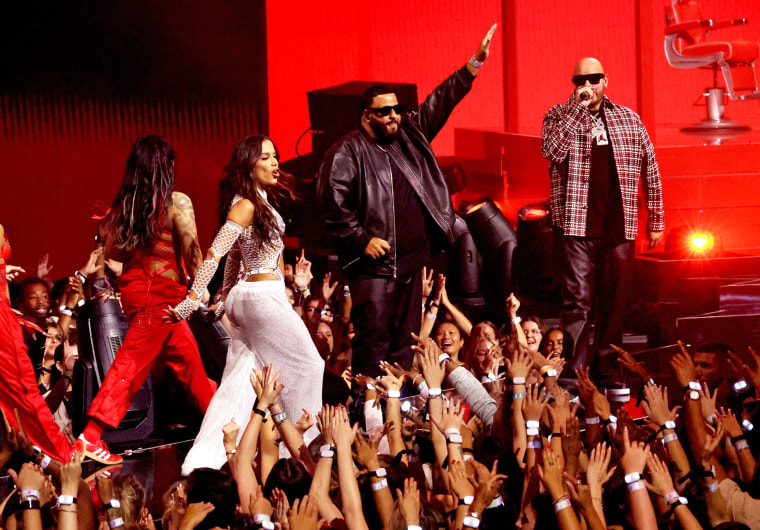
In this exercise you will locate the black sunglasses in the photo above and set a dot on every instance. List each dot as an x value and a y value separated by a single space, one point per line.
385 111
594 79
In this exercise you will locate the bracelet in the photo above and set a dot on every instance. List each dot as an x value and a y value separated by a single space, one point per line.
434 392
678 501
498 501
559 506
669 438
231 452
466 500
279 418
532 424
393 394
413 527
593 420
712 487
444 358
516 320
422 386
261 413
669 497
454 439
29 504
630 478
612 420
488 378
518 395
82 276
741 445
327 451
531 431
736 439
638 485
560 498
377 486
711 418
434 304
380 472
535 445
264 521
30 493
670 424
518 380
66 500
545 369
430 316
471 521
116 522
65 310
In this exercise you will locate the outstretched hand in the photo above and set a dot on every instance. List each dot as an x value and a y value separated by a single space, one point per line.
485 45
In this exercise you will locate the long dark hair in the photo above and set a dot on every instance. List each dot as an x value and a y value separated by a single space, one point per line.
139 210
237 181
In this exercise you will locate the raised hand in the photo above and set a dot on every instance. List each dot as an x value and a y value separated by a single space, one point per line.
707 403
627 361
683 366
460 485
662 482
230 432
427 284
656 404
598 471
485 45
304 515
634 457
729 422
409 502
429 354
305 422
302 275
324 423
327 288
533 405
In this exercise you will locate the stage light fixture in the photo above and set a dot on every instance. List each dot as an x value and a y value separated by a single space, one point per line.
496 240
692 243
535 263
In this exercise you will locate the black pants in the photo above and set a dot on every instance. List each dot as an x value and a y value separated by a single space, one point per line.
601 270
385 312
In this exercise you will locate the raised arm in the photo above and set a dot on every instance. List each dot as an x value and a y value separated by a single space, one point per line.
240 216
184 229
437 107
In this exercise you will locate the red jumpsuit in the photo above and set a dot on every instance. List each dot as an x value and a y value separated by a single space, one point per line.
19 388
144 296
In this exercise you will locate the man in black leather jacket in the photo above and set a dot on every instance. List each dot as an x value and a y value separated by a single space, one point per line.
384 201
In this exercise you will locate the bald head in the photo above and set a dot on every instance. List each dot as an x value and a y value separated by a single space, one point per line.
590 81
588 65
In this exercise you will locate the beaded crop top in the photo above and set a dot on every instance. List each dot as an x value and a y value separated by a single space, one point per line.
248 254
253 254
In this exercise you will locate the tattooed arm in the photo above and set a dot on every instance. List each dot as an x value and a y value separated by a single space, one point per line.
183 220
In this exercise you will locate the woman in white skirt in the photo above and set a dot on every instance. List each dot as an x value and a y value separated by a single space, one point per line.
265 329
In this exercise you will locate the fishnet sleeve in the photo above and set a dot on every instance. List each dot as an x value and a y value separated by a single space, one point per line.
225 238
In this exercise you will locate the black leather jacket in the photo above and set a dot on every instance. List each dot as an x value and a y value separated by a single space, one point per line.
355 187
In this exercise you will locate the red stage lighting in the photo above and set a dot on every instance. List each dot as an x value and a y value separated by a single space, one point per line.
701 242
692 243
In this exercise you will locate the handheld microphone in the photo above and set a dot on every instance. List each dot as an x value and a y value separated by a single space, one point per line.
585 96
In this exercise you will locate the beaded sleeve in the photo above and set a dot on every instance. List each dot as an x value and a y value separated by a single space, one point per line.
225 238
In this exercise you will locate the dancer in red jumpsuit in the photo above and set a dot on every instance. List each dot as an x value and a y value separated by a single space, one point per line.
19 386
151 229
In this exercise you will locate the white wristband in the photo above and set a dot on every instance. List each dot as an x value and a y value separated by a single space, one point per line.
377 486
518 380
434 392
393 394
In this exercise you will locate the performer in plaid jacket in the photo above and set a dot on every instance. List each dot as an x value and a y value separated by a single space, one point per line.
599 152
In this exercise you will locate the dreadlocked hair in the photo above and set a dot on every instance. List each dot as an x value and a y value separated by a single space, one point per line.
139 210
237 180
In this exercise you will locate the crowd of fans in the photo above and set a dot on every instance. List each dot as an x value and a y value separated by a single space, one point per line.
479 433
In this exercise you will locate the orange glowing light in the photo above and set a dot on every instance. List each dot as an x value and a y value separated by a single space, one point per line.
702 242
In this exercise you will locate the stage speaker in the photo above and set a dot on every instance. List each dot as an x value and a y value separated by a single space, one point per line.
102 328
335 110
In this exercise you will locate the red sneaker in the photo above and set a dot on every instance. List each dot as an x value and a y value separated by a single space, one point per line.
97 451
